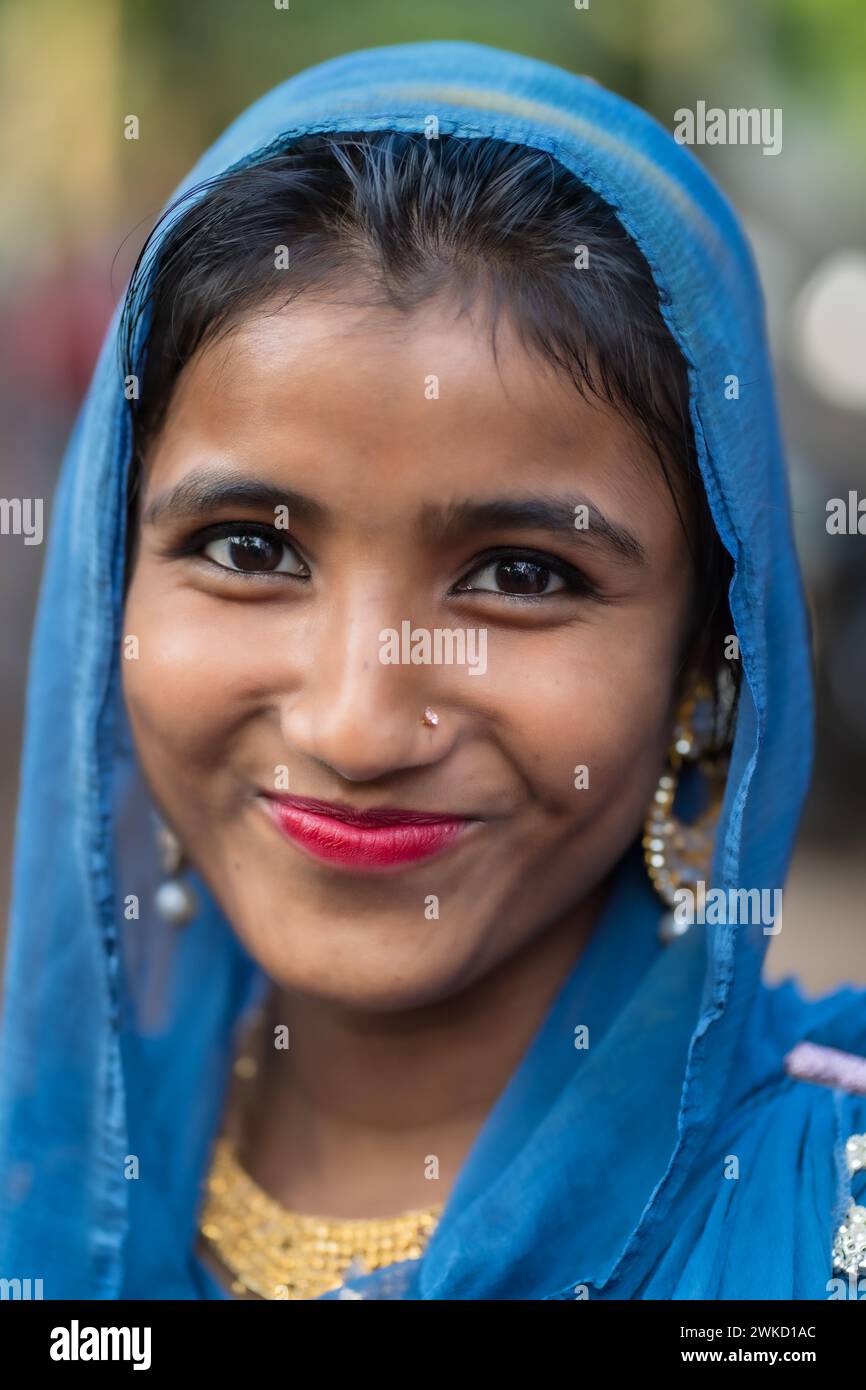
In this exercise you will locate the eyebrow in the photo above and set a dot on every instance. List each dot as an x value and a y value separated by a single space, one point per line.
534 513
208 489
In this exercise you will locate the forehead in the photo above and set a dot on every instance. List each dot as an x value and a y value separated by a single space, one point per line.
391 407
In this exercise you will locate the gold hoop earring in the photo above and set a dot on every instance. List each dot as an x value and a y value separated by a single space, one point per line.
679 855
175 900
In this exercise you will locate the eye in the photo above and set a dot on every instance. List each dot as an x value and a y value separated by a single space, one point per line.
518 577
249 550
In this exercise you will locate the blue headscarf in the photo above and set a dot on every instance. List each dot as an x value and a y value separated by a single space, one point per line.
602 1172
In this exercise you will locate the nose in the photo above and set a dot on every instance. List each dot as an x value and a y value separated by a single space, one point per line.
360 717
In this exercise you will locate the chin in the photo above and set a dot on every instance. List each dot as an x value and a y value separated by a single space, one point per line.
394 971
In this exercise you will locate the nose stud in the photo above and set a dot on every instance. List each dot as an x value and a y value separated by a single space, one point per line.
431 718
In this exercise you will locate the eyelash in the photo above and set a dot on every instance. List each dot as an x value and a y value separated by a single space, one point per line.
577 583
196 544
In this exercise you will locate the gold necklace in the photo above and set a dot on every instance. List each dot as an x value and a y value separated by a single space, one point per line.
281 1254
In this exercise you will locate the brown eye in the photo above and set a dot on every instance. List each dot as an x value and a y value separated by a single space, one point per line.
518 577
253 552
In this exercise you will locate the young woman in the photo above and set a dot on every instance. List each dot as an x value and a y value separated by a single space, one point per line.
421 585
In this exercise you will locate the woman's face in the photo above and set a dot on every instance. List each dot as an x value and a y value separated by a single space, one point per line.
425 484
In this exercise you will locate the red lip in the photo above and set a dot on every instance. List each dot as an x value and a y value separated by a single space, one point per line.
364 839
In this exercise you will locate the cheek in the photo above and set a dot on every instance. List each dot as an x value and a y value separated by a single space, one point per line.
196 677
598 698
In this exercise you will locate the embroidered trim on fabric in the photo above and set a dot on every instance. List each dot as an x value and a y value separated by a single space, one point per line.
849 1247
827 1066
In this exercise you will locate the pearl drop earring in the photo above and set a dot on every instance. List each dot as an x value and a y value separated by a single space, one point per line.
175 900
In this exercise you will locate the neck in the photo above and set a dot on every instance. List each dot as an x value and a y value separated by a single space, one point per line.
363 1110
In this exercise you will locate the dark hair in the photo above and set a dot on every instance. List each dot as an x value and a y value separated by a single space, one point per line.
401 219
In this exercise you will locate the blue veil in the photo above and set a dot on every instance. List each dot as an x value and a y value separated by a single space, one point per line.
599 1172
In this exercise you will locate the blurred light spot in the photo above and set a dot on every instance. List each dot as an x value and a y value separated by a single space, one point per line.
829 315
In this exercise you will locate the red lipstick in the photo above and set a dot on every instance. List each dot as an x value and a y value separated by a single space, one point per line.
364 840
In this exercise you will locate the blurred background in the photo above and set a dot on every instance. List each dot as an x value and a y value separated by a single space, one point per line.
80 200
